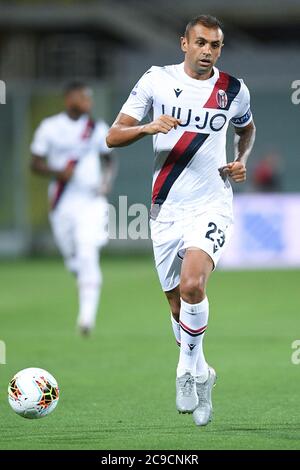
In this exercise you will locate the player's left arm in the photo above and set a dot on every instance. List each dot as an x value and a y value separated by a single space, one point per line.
244 137
243 142
109 171
108 160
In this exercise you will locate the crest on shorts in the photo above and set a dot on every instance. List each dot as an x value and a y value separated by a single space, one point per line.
222 99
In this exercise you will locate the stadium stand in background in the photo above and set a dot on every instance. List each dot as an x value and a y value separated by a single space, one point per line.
43 44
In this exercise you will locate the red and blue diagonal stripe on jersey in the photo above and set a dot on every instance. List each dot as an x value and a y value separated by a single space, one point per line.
177 160
60 187
89 129
227 83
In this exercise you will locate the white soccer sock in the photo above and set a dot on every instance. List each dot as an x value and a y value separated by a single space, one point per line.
176 329
89 295
89 286
201 364
193 322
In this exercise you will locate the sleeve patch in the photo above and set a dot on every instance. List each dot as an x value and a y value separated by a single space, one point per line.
242 119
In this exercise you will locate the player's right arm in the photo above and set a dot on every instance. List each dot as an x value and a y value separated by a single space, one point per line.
40 147
39 165
126 129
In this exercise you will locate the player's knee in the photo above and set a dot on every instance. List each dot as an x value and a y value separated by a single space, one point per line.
89 273
193 290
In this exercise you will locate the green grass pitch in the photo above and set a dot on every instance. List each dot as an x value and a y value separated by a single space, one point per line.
117 388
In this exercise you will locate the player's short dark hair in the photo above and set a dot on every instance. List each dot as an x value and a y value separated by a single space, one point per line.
208 21
74 85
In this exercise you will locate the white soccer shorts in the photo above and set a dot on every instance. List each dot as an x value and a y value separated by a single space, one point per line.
82 221
208 231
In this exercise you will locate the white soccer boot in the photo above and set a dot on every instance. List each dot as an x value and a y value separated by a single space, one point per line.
203 413
186 393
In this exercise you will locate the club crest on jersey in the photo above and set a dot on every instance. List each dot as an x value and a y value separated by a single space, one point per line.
222 99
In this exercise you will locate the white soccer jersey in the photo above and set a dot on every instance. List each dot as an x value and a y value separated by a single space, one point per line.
64 141
187 159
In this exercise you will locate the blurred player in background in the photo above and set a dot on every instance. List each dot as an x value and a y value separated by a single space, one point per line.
191 215
70 148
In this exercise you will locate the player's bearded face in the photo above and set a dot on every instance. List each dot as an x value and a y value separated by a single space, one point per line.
202 48
79 101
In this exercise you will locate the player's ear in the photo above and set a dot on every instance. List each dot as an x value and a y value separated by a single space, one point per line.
220 50
183 43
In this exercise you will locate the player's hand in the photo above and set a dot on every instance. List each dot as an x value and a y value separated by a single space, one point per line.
162 124
235 170
66 174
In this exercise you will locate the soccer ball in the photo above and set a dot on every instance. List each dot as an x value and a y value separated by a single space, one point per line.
33 393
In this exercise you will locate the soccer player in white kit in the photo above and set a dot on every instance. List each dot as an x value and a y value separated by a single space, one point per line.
70 148
192 104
